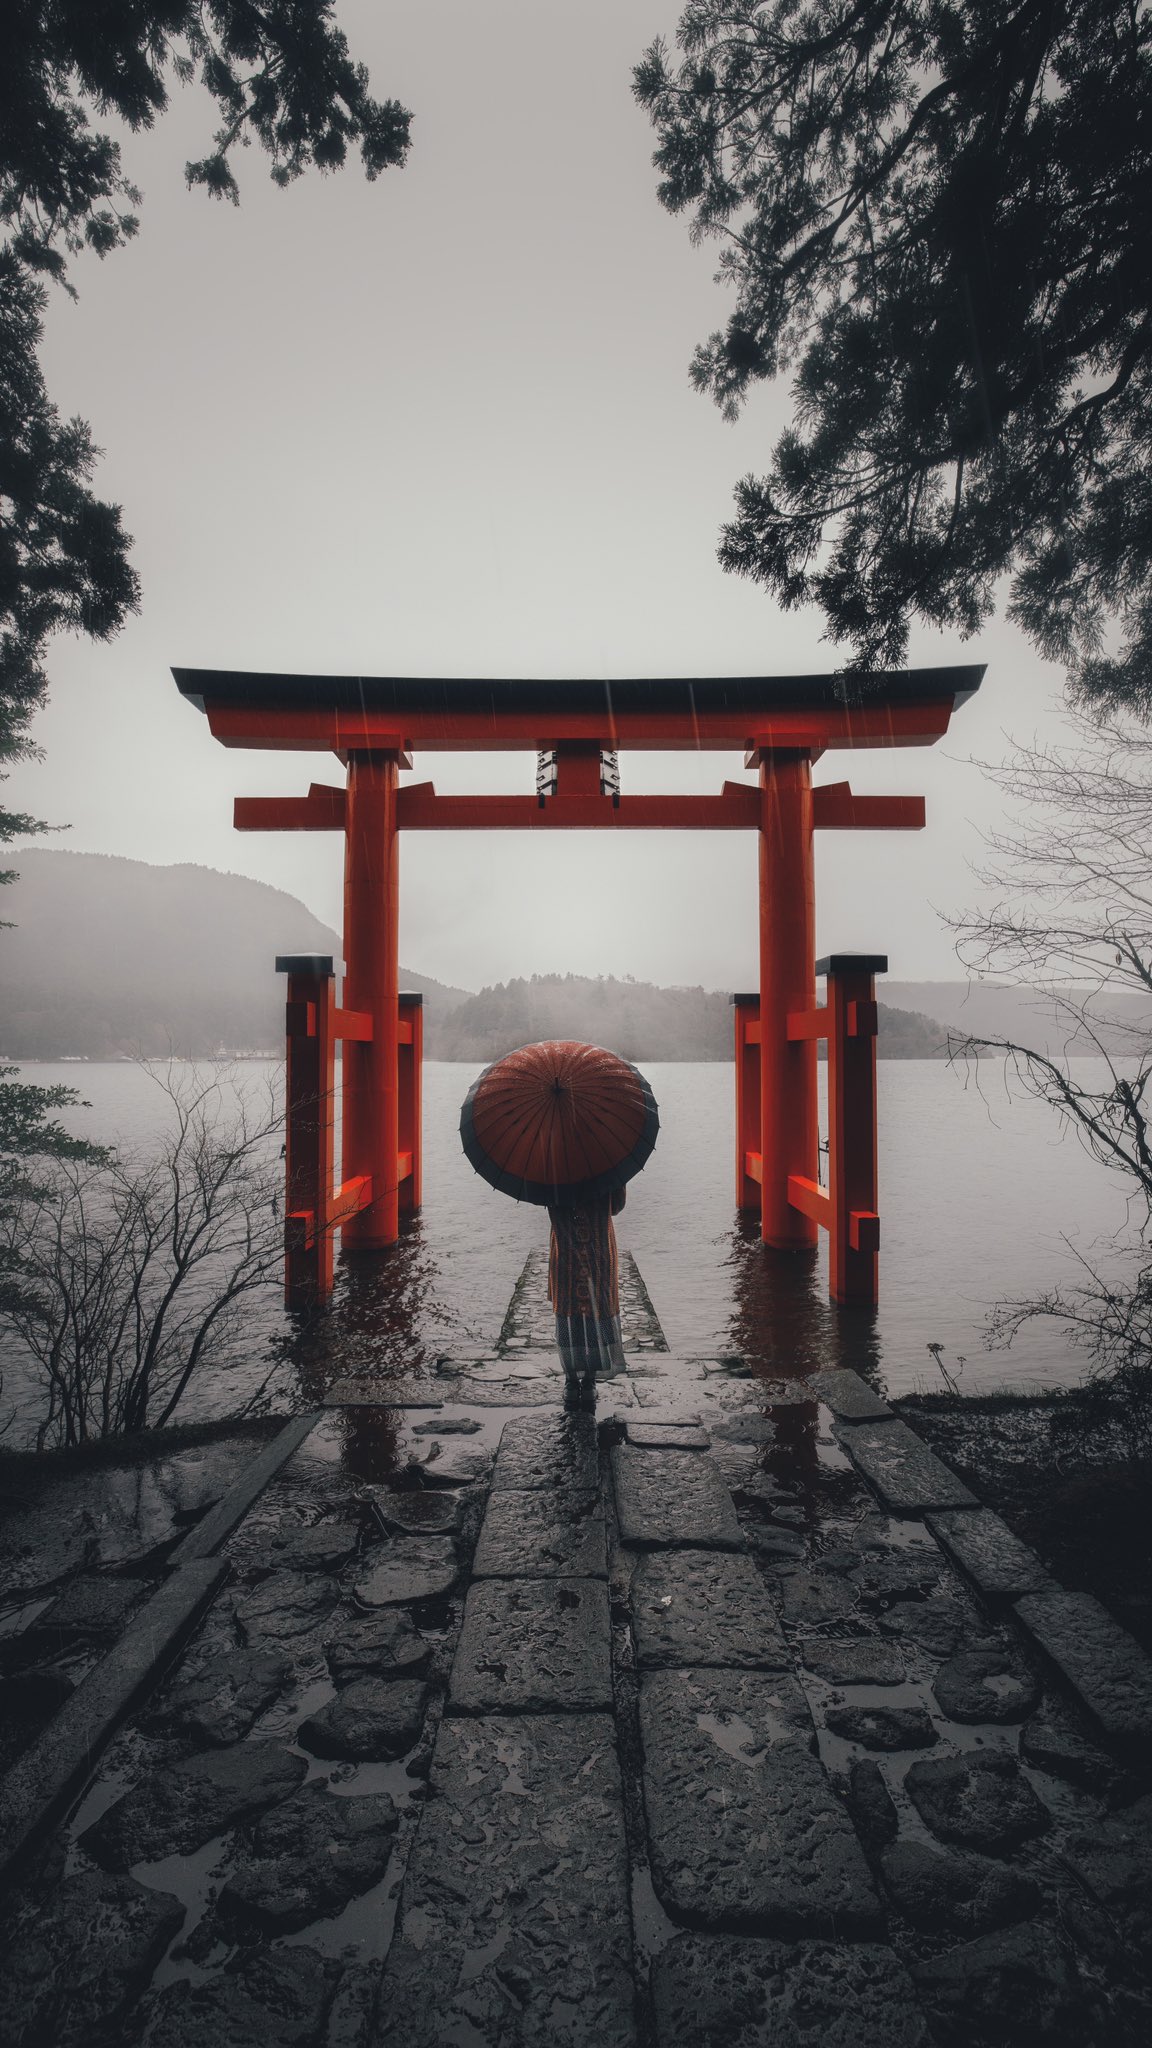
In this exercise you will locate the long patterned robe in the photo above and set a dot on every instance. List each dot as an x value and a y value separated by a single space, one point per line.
584 1285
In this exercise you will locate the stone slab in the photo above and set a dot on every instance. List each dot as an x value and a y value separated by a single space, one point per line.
513 1929
955 1893
539 1452
882 1727
672 1499
861 1660
215 1700
533 1646
716 1992
663 1395
984 1547
285 1604
816 1599
1018 1985
72 1971
39 1786
909 1476
312 1854
705 1607
325 1547
519 1364
418 1511
986 1685
659 1412
383 1642
93 1608
779 1546
508 1393
453 1464
1107 1669
409 1568
349 1393
551 1535
666 1436
371 1720
941 1625
871 1804
746 1834
266 1998
849 1397
1053 1741
205 1539
178 1808
981 1800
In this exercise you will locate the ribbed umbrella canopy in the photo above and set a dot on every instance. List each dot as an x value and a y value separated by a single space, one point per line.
559 1122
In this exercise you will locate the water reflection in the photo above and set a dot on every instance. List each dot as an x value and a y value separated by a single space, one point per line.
781 1321
783 1327
386 1322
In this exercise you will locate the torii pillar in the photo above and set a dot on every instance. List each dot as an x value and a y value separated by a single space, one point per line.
371 1106
789 1127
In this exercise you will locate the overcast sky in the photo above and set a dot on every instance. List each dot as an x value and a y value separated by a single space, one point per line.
442 424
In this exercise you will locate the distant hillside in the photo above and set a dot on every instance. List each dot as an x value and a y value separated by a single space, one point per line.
109 956
635 1018
1021 1014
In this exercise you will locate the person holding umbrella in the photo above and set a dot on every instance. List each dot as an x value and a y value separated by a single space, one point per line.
567 1125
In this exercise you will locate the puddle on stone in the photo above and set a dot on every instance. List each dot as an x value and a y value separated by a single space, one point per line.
282 1719
652 1929
189 1878
366 1924
733 1735
104 1793
508 1754
14 1620
477 1960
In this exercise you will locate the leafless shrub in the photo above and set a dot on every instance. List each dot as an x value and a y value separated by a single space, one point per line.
141 1271
1070 915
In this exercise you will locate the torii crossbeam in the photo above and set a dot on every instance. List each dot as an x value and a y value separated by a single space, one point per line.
781 723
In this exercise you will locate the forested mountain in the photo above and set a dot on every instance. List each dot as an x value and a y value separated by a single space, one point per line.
634 1018
112 956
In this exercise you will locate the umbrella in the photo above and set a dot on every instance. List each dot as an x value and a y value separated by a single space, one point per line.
559 1122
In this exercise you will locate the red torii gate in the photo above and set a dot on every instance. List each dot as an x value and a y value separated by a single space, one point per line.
783 724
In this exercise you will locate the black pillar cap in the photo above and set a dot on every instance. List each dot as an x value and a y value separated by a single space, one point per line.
412 996
753 998
853 963
303 963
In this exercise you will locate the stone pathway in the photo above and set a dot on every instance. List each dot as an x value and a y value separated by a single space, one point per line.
530 1323
723 1719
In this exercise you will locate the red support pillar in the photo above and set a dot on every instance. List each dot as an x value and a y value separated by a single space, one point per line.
854 1228
309 1128
411 1080
372 986
746 1016
788 1106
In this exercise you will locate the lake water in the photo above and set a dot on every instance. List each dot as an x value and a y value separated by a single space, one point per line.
978 1193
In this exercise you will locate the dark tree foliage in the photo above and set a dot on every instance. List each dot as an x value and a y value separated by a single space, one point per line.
280 73
936 216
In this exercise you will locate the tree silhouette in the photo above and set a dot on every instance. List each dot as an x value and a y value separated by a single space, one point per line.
281 74
934 215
